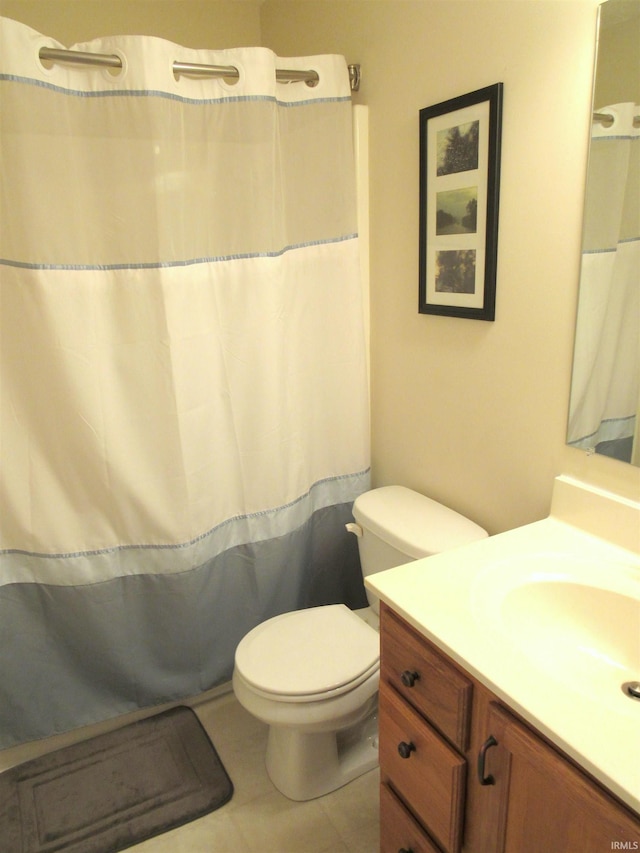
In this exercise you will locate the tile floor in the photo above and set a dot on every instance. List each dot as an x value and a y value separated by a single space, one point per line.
258 817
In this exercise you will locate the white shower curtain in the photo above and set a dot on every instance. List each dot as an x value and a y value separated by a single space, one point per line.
183 410
606 373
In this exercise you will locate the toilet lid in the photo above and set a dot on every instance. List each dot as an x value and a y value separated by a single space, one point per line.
305 652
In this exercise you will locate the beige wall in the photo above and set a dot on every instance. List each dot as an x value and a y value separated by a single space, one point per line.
214 24
618 78
472 413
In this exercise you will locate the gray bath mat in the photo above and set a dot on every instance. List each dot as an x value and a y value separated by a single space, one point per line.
115 790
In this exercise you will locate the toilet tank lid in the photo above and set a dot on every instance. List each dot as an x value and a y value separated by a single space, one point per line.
413 523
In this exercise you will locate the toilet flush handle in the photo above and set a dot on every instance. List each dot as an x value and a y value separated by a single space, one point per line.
354 528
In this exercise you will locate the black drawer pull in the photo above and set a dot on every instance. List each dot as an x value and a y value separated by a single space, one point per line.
482 755
409 678
405 850
405 749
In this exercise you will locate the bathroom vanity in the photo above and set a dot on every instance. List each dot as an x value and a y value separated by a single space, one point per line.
504 718
460 770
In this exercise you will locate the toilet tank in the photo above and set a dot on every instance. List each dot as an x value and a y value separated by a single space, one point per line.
396 525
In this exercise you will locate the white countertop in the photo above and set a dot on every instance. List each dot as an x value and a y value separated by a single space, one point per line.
448 598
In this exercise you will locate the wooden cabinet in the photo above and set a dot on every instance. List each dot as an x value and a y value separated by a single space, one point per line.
461 772
541 801
425 713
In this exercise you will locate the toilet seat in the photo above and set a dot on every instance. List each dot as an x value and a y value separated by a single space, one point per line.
308 655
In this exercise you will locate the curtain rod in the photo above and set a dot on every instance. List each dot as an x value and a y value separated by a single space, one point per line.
78 57
607 119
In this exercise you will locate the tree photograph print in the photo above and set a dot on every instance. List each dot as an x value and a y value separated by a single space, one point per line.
459 183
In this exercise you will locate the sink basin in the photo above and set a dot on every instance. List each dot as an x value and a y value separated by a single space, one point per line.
576 618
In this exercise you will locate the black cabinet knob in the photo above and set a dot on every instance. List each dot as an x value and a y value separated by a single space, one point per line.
409 678
405 749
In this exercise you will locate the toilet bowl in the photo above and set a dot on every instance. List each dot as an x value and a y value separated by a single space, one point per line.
312 675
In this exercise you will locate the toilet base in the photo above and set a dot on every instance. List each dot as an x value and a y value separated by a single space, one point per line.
304 765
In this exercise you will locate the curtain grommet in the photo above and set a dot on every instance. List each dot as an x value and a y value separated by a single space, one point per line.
114 75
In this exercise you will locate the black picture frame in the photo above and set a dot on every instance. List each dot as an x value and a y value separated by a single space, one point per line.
460 141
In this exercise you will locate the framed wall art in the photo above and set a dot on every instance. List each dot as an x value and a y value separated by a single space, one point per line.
459 195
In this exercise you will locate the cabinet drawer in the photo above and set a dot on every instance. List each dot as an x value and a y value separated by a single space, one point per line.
431 780
398 829
438 690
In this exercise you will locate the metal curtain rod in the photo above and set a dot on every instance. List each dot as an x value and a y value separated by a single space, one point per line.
78 57
607 119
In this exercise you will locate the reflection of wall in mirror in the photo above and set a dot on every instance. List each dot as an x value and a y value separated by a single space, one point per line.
618 69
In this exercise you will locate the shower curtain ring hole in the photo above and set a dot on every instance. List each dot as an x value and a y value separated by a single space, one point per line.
47 64
114 71
203 72
234 79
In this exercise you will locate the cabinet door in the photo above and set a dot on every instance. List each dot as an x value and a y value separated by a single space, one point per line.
540 801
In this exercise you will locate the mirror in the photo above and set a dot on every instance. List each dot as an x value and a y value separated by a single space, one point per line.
604 414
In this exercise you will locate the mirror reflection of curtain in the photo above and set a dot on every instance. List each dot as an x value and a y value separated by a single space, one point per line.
184 402
604 394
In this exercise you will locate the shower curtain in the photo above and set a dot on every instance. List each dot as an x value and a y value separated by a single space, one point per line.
606 374
183 409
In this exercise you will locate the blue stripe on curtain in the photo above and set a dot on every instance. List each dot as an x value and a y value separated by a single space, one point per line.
151 265
94 566
158 93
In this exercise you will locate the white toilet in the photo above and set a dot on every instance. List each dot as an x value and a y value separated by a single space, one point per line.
312 675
